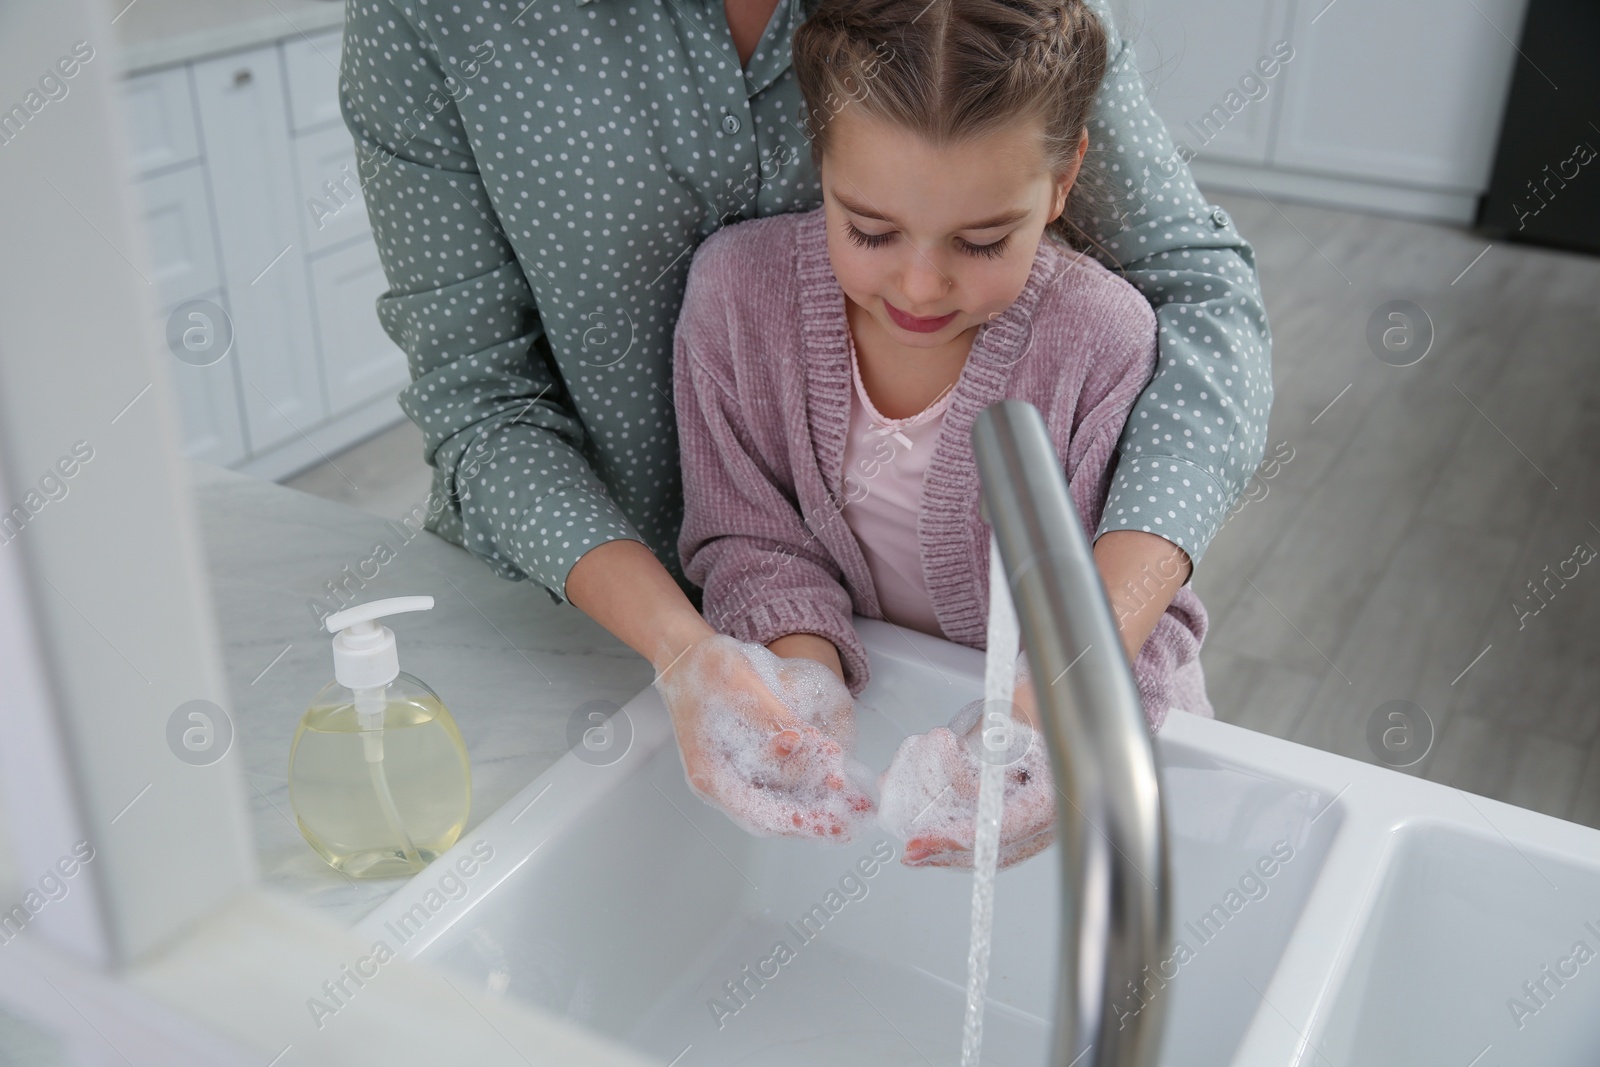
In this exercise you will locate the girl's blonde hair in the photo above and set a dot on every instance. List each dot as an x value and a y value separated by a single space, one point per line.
956 70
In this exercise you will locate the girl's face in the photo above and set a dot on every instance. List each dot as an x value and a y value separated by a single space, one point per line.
933 242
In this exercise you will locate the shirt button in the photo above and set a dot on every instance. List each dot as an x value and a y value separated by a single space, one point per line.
1220 217
730 124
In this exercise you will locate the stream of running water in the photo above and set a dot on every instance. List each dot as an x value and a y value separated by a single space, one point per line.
999 678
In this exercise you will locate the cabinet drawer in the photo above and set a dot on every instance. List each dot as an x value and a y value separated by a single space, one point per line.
160 114
311 71
330 192
357 356
177 222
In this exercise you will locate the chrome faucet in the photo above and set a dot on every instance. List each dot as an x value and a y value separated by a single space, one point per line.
1116 906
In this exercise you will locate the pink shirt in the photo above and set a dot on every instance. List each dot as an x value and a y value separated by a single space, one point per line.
885 461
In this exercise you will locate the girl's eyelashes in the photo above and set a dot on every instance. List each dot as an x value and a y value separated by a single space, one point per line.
865 240
993 250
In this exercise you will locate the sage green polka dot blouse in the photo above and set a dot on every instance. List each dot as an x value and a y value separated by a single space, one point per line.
538 176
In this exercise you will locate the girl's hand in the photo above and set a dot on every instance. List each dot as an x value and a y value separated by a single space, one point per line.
767 740
930 791
808 646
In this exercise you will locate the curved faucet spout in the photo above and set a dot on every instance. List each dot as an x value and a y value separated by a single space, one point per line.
1116 907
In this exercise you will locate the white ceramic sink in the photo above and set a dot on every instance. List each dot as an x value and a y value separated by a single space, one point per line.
1329 911
1460 922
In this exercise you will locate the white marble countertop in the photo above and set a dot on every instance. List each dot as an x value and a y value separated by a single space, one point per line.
160 33
511 665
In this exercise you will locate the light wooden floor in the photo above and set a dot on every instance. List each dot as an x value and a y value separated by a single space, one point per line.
1385 559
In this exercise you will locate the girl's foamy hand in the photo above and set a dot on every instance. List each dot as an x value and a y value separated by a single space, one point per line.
930 792
768 740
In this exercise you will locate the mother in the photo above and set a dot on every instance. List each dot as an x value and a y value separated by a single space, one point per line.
538 177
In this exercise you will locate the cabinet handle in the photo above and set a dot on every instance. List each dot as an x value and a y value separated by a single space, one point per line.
242 76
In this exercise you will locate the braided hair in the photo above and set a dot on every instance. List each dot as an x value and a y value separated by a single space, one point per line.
957 70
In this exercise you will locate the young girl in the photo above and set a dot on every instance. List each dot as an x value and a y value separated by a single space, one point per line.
829 364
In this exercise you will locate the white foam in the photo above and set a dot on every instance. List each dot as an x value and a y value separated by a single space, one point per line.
784 768
929 795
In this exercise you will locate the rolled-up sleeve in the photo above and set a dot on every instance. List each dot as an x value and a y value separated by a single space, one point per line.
512 483
1199 429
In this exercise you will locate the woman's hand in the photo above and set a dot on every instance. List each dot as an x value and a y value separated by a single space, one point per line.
930 791
768 740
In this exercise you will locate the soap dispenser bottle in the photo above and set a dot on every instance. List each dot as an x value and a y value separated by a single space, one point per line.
378 773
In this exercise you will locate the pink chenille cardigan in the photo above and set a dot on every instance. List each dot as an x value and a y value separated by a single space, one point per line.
763 389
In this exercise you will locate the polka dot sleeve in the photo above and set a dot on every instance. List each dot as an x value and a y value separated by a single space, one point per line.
1199 429
512 484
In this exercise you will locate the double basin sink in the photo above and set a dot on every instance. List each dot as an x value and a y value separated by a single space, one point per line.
1325 911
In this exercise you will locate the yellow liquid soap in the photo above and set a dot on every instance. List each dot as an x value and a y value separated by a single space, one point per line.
338 799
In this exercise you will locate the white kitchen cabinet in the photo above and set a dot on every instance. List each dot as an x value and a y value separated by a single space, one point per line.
1409 92
178 233
311 72
248 155
1193 56
331 209
251 201
159 111
208 399
360 360
182 249
1383 106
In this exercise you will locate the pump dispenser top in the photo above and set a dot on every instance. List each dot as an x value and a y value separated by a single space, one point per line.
364 653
